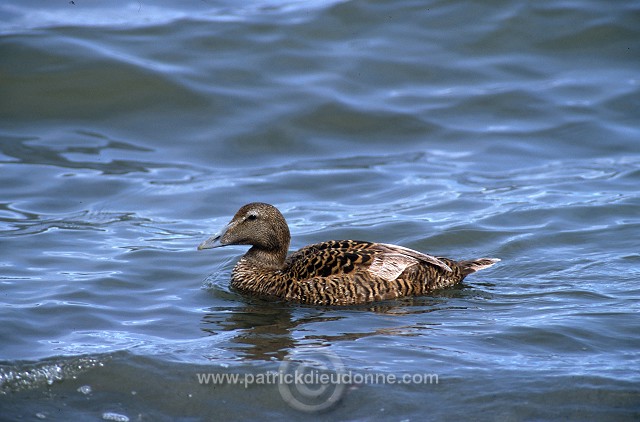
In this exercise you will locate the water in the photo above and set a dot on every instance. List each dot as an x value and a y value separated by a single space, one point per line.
132 131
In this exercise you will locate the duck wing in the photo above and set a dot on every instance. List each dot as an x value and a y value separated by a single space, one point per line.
343 257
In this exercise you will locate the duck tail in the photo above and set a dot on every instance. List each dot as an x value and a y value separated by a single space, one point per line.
473 265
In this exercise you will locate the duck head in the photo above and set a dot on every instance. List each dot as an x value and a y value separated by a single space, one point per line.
257 224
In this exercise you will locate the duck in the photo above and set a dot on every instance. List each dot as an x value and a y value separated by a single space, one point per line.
333 272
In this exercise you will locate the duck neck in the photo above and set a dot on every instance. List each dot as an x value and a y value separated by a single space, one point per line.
266 258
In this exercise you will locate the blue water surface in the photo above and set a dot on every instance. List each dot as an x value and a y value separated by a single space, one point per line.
131 131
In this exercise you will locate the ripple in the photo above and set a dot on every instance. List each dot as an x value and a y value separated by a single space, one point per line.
135 14
14 378
86 220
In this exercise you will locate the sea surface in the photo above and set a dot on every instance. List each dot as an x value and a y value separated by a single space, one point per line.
130 131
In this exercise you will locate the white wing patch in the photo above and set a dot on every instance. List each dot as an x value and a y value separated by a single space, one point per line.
388 249
389 266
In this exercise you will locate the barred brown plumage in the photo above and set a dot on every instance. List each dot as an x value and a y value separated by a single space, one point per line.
335 272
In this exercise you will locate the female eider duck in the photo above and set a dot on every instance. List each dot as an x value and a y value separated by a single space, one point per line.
336 272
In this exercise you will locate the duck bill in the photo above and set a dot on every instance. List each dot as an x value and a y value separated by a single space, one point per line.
213 241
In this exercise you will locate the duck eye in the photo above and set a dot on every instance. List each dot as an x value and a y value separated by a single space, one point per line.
252 217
